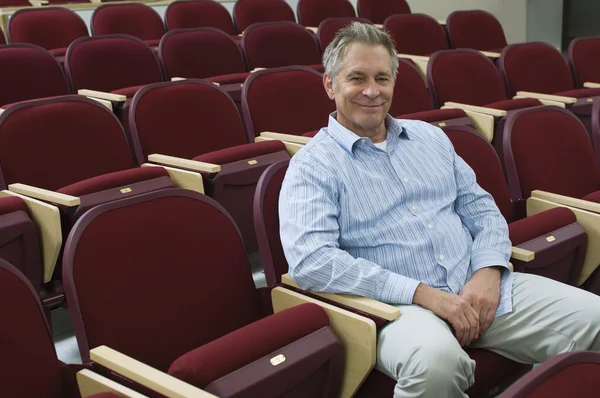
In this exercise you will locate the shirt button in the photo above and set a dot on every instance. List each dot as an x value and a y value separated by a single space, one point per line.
430 226
364 140
442 258
405 179
413 207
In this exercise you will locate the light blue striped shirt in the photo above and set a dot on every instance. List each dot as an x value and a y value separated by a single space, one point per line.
356 219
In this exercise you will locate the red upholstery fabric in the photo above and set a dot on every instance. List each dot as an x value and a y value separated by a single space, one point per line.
377 11
434 115
539 224
313 12
241 152
475 29
580 92
14 3
27 347
593 197
417 34
330 26
11 204
552 152
584 59
49 28
536 67
512 104
90 63
206 364
136 19
28 72
269 106
464 76
196 118
580 380
56 142
248 12
129 92
311 133
59 52
410 91
176 264
113 180
183 14
281 36
229 79
200 53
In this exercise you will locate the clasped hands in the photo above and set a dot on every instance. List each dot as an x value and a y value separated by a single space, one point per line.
472 311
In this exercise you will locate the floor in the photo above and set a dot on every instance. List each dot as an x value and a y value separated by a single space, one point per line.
64 337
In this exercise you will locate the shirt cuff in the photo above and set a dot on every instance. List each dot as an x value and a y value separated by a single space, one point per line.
398 289
483 258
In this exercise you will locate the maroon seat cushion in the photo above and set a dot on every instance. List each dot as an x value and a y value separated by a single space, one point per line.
10 204
183 14
241 152
311 133
580 92
593 197
537 225
129 92
511 104
212 361
152 42
231 78
435 115
58 52
113 180
475 29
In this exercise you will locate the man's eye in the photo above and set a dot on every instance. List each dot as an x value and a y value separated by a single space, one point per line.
355 78
383 79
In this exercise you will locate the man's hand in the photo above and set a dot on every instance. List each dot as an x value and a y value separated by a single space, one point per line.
482 291
452 308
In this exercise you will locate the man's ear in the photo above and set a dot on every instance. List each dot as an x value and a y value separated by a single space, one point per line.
328 84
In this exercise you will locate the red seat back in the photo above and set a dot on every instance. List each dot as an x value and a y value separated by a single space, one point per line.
248 12
134 19
475 29
417 34
410 91
313 12
584 60
50 28
330 26
182 14
377 11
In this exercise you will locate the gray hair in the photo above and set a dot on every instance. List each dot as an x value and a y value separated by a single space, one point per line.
356 32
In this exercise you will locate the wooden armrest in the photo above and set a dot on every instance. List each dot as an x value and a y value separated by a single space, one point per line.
291 147
38 3
102 95
104 102
441 21
44 194
312 29
511 267
414 57
474 108
549 97
183 178
91 383
522 254
591 85
298 139
145 375
490 54
589 221
483 123
177 79
545 101
357 334
257 69
567 201
47 219
370 306
184 163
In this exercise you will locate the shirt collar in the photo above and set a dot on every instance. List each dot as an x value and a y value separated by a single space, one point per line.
346 138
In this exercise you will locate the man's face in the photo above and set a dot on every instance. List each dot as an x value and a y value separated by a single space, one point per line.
363 93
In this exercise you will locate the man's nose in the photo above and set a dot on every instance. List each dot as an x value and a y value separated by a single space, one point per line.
371 91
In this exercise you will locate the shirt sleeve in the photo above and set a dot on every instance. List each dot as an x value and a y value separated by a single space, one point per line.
479 213
309 230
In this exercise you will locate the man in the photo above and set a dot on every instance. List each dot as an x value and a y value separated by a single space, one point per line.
384 208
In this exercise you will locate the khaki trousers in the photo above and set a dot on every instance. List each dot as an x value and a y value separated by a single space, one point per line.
548 318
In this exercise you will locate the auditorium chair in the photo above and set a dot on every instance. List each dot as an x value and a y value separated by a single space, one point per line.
584 62
538 70
249 12
197 126
573 374
416 34
548 157
185 14
330 26
377 11
135 19
492 371
312 12
476 29
183 302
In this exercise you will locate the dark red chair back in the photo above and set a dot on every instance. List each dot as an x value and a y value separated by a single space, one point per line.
248 12
184 14
476 29
313 12
584 60
329 27
135 19
416 34
377 11
410 91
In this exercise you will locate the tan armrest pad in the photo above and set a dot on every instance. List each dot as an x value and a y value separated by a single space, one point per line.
102 95
312 29
490 54
104 102
357 334
183 178
511 267
550 97
545 101
298 139
370 306
422 58
185 163
522 254
483 123
591 85
91 383
567 201
38 3
145 375
257 69
474 108
176 79
44 194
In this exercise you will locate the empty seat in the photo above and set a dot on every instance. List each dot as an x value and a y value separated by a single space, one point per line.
28 72
313 12
173 241
416 34
194 119
248 12
289 44
53 28
584 60
182 14
574 374
476 29
330 26
377 11
134 19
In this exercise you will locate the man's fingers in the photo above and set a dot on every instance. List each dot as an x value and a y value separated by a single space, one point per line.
488 319
460 330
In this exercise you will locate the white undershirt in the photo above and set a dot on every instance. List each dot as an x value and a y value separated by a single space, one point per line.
381 145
